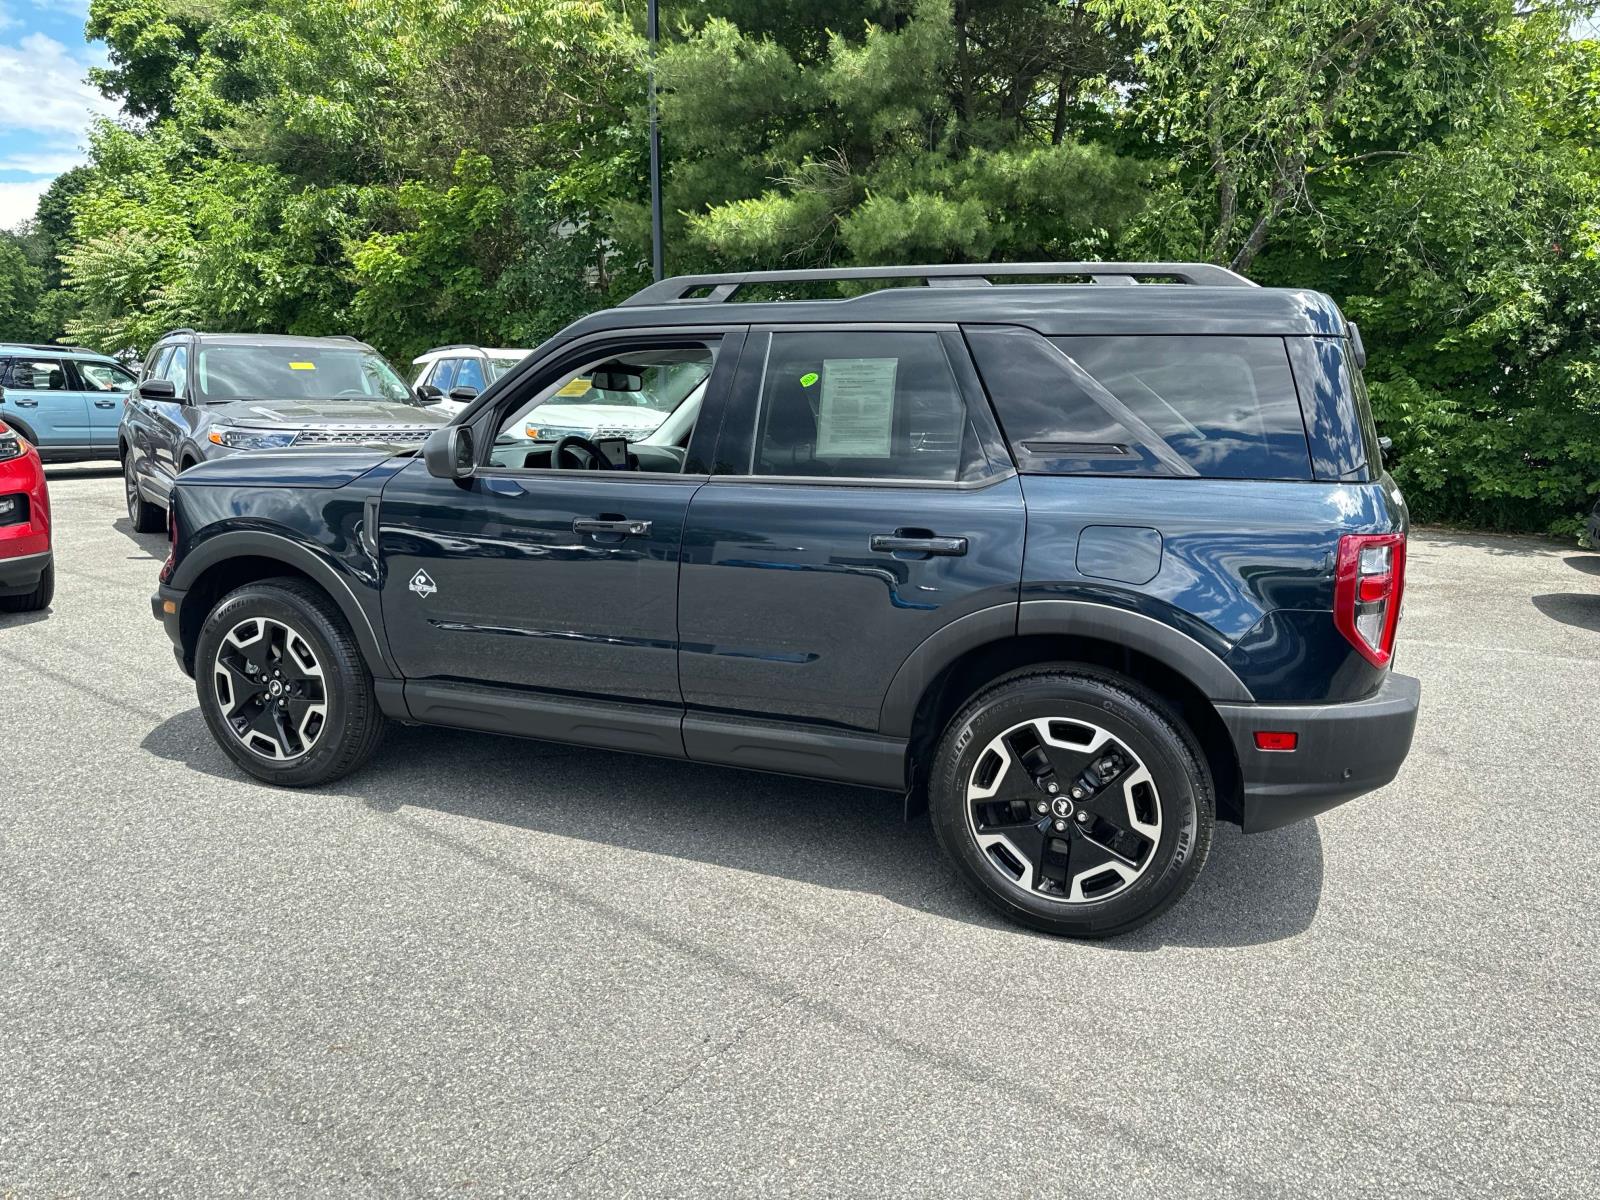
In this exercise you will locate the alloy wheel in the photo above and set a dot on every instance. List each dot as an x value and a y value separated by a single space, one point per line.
1064 811
270 689
130 488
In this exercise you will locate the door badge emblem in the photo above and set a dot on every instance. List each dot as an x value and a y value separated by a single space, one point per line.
422 585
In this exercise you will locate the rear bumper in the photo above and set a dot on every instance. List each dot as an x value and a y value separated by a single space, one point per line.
1344 750
19 575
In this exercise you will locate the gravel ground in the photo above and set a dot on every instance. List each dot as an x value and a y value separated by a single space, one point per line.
489 967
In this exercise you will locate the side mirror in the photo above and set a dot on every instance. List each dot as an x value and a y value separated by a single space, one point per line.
158 389
430 394
1358 346
1385 444
464 394
448 452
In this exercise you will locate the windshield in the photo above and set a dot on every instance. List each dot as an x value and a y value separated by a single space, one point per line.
499 364
663 379
309 372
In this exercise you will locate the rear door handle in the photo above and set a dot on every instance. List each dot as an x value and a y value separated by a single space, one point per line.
620 525
105 403
894 543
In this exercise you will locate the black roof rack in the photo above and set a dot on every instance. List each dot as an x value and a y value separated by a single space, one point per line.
451 346
346 337
175 332
675 290
55 346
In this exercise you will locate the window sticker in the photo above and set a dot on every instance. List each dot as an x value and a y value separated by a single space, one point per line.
808 379
857 415
302 366
578 387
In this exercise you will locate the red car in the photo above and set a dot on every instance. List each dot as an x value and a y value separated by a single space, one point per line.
27 573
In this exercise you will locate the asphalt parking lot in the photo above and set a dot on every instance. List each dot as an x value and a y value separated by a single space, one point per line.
489 967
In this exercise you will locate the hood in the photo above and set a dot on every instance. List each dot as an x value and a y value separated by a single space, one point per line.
597 416
286 468
375 415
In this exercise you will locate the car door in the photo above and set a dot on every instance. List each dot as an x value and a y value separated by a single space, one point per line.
551 581
863 501
42 394
105 387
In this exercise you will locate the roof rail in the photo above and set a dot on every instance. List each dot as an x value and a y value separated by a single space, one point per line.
56 346
675 290
451 346
346 337
175 332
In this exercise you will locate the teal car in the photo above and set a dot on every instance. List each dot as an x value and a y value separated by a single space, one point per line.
66 400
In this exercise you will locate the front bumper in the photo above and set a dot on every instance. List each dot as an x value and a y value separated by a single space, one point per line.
1344 750
167 607
19 575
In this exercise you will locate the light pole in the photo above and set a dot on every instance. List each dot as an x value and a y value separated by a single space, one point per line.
653 32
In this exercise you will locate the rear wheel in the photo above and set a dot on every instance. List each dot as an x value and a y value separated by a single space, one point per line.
146 517
35 600
283 686
1073 802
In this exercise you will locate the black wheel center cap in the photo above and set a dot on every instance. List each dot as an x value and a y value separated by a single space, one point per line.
1061 806
275 689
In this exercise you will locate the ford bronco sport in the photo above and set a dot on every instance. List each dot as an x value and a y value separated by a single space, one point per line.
1083 567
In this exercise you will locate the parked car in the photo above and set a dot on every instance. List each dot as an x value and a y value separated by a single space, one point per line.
27 570
1594 527
204 396
445 370
65 400
1084 567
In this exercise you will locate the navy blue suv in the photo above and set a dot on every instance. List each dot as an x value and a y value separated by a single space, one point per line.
1082 568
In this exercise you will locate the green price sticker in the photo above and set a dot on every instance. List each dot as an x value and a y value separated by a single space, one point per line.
808 379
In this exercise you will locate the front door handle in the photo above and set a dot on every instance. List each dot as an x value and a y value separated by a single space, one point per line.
26 403
105 403
899 543
619 525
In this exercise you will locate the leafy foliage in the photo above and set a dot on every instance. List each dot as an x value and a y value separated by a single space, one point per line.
422 171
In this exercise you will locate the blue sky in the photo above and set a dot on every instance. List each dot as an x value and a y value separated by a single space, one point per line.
45 105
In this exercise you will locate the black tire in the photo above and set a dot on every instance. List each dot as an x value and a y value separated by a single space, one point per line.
351 725
1178 804
146 517
35 600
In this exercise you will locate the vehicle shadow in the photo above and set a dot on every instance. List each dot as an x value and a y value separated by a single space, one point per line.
15 620
97 469
1571 608
154 545
1589 564
1253 890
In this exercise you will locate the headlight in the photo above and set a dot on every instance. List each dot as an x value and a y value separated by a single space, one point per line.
10 446
251 439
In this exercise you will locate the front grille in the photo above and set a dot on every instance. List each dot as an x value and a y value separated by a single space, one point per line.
329 437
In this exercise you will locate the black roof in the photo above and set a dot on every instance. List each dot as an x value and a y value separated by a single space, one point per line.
1205 299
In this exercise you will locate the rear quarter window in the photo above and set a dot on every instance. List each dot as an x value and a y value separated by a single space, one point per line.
1218 407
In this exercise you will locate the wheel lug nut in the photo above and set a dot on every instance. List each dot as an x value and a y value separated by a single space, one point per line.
1083 818
1042 806
1061 826
1077 793
1052 788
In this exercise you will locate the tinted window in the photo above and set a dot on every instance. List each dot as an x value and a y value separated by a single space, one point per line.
470 374
37 375
444 373
1220 407
326 371
177 370
868 404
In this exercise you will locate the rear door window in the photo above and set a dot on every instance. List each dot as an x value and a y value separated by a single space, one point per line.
38 374
470 374
1217 407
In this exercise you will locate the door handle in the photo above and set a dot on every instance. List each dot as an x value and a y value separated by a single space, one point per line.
897 543
105 403
26 403
620 525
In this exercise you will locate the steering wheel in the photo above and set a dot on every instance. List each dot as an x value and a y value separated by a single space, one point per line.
571 442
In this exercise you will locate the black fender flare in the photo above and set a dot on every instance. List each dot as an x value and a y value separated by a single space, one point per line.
256 543
1078 618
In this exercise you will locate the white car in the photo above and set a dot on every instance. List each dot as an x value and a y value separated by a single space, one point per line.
623 399
443 369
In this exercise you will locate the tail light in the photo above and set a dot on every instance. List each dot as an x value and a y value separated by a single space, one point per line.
172 542
1368 586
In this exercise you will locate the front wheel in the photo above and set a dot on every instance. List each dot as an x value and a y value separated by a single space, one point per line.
39 598
146 517
1073 802
283 687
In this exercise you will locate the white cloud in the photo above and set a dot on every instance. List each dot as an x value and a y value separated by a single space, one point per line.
50 159
18 201
43 89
